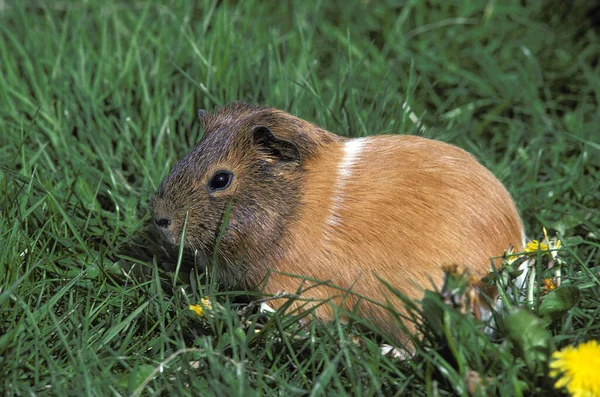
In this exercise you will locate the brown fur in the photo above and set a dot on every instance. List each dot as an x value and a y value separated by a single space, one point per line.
409 206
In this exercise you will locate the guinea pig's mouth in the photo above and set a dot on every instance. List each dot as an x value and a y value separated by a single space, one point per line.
167 225
167 230
169 236
173 237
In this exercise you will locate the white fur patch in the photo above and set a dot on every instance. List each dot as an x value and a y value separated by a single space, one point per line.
352 152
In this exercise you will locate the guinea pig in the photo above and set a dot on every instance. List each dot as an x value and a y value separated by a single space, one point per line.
302 201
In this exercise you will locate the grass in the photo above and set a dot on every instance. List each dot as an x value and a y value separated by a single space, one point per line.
98 100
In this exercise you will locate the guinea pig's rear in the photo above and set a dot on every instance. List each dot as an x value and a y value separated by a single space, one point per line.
399 208
346 211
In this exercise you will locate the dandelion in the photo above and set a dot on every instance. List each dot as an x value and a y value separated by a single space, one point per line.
578 368
535 246
205 304
545 245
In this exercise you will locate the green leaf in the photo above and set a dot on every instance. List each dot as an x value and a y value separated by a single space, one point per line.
559 301
530 336
433 313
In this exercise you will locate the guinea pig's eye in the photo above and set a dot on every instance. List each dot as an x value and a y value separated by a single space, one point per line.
220 180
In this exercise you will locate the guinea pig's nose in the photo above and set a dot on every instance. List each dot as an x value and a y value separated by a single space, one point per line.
163 223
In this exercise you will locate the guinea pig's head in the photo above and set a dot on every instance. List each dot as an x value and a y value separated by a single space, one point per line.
240 185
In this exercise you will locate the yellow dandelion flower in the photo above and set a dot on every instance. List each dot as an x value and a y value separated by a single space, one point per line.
579 368
545 245
205 304
534 246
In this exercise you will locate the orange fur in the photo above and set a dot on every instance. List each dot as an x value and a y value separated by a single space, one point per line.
411 206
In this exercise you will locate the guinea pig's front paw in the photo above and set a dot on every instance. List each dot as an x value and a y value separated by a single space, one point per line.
265 308
396 352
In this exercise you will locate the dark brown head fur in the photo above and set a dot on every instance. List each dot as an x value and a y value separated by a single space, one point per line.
263 150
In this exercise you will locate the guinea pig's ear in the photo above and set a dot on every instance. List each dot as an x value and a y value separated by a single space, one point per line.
201 113
280 148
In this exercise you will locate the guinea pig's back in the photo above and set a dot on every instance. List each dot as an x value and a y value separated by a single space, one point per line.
400 207
430 201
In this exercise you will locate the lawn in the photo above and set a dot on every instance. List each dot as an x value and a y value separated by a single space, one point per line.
98 100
